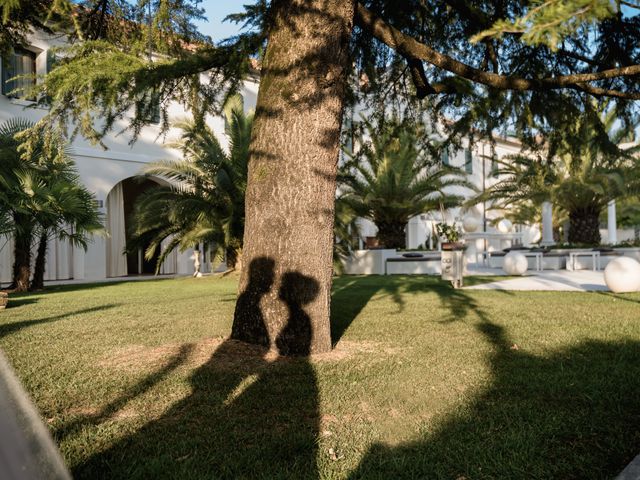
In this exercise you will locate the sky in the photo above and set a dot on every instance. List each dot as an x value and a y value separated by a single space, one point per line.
215 11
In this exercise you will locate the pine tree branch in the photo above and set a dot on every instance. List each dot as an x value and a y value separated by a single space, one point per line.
409 47
419 78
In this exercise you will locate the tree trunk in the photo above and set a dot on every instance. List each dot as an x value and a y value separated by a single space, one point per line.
37 283
285 285
392 235
22 254
584 226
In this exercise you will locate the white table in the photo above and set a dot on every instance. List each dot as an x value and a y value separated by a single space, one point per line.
537 256
486 257
595 259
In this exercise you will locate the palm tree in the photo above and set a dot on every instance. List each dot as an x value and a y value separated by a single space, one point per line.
589 170
70 213
41 195
392 179
346 231
205 202
17 201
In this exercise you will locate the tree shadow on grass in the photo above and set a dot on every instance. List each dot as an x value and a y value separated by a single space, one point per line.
119 403
21 302
250 414
350 295
574 413
12 327
618 296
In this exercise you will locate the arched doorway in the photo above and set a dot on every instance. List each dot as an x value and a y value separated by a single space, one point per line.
123 261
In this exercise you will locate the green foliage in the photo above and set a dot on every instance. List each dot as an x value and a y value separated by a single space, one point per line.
346 231
391 179
592 40
548 22
628 212
205 202
581 172
18 18
42 185
446 27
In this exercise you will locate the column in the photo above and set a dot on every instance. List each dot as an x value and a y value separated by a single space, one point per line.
547 224
612 226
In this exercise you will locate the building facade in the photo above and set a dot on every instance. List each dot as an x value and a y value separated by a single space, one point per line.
110 174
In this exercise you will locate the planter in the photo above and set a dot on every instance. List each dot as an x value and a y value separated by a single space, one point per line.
453 246
4 299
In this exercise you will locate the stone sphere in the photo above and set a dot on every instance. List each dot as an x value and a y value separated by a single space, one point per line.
622 275
535 235
470 224
504 226
515 263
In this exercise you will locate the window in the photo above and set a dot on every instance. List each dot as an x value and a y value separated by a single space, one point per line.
445 157
494 166
21 62
52 60
468 161
154 109
149 108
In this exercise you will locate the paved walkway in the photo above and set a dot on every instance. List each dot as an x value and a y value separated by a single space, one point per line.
550 280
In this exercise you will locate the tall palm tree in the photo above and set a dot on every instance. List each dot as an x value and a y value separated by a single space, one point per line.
17 201
70 213
205 202
589 169
392 179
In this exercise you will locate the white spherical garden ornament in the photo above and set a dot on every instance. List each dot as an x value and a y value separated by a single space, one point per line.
535 235
504 226
470 224
515 263
622 275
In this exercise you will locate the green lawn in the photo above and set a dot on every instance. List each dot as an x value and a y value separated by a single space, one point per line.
136 380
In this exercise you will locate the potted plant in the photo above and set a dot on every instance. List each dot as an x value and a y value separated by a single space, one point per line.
449 236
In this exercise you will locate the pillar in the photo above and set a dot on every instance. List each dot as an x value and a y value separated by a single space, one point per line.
612 226
547 224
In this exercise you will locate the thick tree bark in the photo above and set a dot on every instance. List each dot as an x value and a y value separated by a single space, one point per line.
285 285
392 235
584 226
22 254
37 283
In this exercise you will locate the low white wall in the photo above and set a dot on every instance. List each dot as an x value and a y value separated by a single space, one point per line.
630 252
432 267
367 262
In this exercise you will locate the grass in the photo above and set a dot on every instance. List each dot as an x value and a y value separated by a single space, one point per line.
136 380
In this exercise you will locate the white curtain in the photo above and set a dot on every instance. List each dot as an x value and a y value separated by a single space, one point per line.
6 258
116 241
59 262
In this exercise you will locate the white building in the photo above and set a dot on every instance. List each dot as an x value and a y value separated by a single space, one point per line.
107 173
